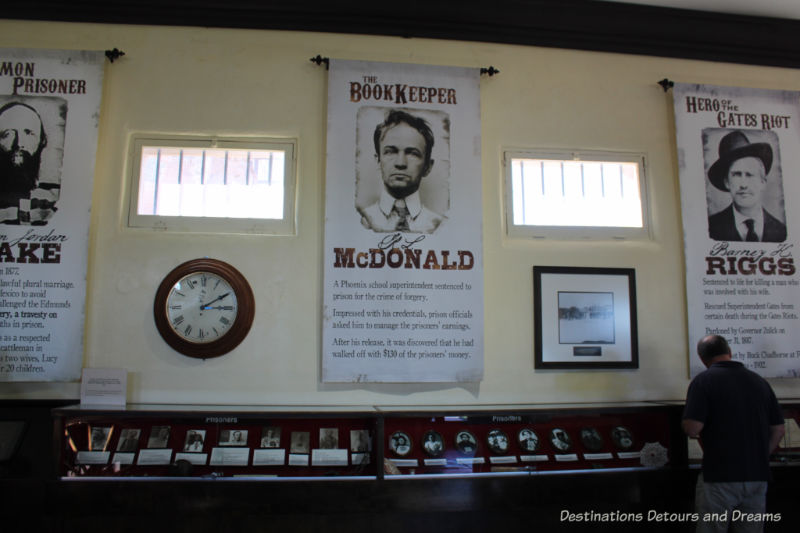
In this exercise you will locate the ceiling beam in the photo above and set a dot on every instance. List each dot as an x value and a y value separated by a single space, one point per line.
569 24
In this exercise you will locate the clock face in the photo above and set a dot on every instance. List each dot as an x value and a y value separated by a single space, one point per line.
204 308
201 307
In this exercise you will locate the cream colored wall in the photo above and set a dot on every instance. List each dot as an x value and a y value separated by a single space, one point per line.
242 82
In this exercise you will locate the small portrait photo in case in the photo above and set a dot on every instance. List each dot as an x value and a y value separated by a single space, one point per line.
233 437
159 437
560 440
528 440
300 442
360 441
466 443
591 439
98 438
271 437
195 439
433 444
497 441
622 437
400 443
128 440
329 438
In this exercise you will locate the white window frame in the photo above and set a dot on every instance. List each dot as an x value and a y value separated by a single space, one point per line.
188 224
576 232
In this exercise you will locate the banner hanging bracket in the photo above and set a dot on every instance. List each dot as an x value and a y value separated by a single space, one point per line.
491 71
666 84
320 60
114 54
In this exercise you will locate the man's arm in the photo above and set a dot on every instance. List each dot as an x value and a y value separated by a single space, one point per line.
692 427
775 435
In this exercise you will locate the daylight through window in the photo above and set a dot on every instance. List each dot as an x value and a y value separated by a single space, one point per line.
186 187
576 193
211 183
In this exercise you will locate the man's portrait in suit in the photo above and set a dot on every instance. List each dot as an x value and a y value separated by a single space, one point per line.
742 170
404 187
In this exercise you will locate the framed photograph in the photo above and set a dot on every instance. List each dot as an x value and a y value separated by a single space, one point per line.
300 442
98 438
360 441
195 438
159 437
271 437
329 438
128 440
233 437
585 317
432 443
528 440
466 443
560 440
591 439
622 437
400 443
497 441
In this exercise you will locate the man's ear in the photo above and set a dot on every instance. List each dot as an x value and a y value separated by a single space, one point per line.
428 168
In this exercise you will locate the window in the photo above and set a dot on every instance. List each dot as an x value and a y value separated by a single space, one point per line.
573 195
193 184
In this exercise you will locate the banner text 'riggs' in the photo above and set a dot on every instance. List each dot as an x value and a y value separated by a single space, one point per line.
399 93
725 260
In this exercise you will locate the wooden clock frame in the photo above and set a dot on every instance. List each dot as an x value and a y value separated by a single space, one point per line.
244 316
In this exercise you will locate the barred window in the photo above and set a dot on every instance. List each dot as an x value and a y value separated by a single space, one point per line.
576 195
212 185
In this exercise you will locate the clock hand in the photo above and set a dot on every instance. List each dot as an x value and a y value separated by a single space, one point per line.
206 305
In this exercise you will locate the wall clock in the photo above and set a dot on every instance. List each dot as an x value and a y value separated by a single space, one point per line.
204 308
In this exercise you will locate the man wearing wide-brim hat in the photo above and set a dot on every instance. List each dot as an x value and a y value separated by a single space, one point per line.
742 170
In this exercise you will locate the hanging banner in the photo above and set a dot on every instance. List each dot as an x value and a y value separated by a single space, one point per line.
403 256
738 155
49 108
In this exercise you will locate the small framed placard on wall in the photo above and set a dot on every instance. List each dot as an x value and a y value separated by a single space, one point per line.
584 317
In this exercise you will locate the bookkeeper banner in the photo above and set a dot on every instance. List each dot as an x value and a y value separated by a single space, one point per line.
403 284
49 108
739 159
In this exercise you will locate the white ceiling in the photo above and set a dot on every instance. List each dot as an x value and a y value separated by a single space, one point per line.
787 9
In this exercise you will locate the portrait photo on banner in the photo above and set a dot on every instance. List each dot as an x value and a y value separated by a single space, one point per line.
32 131
402 164
744 185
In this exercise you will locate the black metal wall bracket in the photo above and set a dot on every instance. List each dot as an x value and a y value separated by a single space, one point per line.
320 60
114 54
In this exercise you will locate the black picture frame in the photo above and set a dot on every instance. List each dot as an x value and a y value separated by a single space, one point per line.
498 442
400 443
585 318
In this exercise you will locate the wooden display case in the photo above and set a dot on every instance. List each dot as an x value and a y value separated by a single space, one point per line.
280 442
210 442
